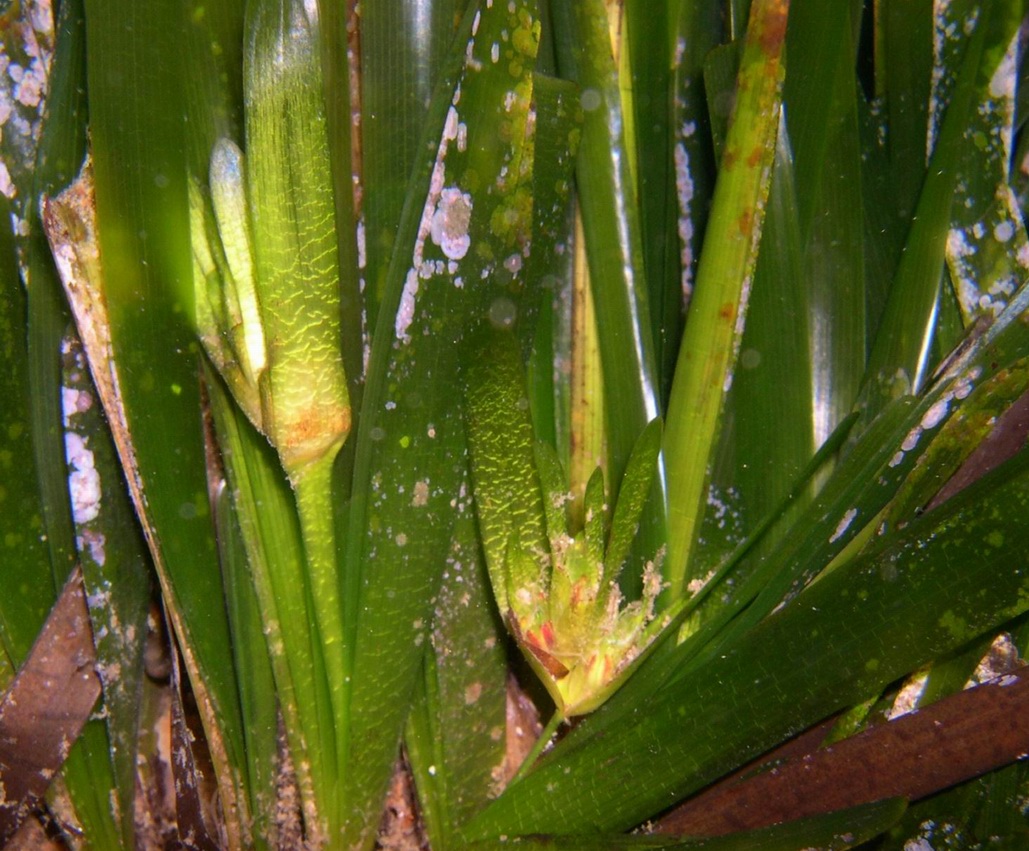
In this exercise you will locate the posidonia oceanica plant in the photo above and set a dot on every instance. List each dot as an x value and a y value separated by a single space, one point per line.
471 423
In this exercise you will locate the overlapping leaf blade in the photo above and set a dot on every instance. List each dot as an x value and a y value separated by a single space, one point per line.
458 260
856 630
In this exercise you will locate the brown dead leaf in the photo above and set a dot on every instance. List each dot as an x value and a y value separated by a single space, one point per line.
46 706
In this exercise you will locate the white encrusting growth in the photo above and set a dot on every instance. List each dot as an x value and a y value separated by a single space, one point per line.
24 75
934 416
680 51
684 190
420 498
405 312
74 402
6 184
362 245
83 481
843 525
84 488
450 220
1002 83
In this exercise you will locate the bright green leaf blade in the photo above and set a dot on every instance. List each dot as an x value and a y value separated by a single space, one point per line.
769 432
304 396
91 782
883 228
595 517
214 90
508 498
338 20
554 486
947 577
903 73
699 29
648 51
558 123
707 357
721 67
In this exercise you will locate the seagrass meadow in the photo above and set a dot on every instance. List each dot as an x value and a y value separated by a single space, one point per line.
557 424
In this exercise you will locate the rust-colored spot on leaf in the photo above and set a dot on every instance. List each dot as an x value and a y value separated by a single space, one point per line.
771 27
729 159
727 311
746 222
754 160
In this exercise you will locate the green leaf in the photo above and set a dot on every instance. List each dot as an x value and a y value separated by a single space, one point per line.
98 778
698 31
903 76
554 486
820 96
711 340
607 198
305 405
757 465
404 53
559 598
456 738
512 511
136 60
595 513
646 79
558 123
458 263
25 551
116 579
266 513
899 359
257 694
304 396
987 245
632 497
